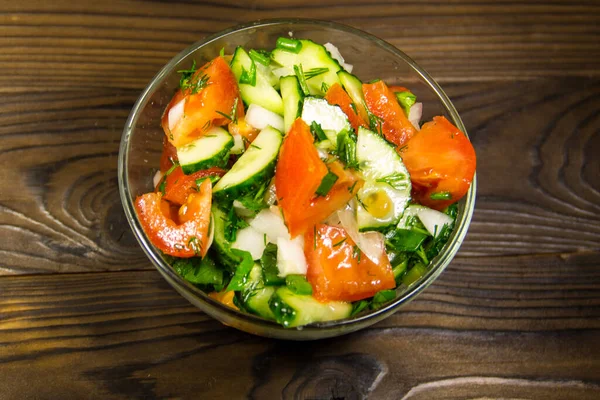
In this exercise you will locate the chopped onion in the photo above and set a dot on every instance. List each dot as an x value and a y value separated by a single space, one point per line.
270 222
176 113
260 118
250 240
238 144
283 71
335 54
370 243
241 210
415 113
290 256
157 177
271 194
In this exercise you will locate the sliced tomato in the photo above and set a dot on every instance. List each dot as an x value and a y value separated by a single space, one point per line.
299 170
184 236
337 270
441 162
213 94
336 95
178 186
168 156
392 120
299 174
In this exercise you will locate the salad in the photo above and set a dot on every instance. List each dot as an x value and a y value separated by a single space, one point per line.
289 189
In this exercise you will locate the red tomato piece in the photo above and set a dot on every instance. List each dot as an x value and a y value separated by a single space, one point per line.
213 91
394 124
299 174
178 186
185 237
337 270
441 162
336 95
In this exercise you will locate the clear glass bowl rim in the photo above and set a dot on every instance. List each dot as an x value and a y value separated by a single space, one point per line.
214 307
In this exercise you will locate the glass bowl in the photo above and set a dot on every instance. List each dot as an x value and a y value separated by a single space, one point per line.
372 58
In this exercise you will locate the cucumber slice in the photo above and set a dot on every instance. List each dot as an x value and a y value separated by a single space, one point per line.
386 192
221 246
314 58
292 100
262 93
291 309
256 296
252 169
353 87
332 119
210 150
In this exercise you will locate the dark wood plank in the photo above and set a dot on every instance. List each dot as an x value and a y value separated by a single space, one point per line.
521 326
89 44
538 190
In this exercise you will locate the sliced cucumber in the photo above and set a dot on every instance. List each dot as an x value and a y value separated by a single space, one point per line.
353 87
386 192
221 246
331 118
252 169
292 100
210 150
313 58
256 296
292 310
261 93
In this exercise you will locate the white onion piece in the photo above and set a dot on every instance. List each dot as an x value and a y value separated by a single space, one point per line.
250 240
290 256
260 118
335 54
370 243
323 155
241 210
270 222
433 220
415 113
176 113
157 177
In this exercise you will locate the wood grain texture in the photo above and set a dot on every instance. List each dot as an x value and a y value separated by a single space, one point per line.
538 174
522 326
123 45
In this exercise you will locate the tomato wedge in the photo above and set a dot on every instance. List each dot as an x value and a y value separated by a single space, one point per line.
393 122
336 95
299 174
211 94
441 162
185 235
178 186
337 270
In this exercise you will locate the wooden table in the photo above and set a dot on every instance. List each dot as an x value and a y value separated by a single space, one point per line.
83 314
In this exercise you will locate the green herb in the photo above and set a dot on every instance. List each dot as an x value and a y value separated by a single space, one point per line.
405 239
255 146
163 182
192 80
317 131
206 126
406 100
298 284
346 149
301 80
256 201
375 123
353 107
324 87
340 242
311 73
361 203
359 306
249 77
315 237
433 247
268 262
326 184
260 57
240 275
452 211
213 179
222 52
441 196
206 273
356 252
186 74
396 180
232 225
287 44
383 296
